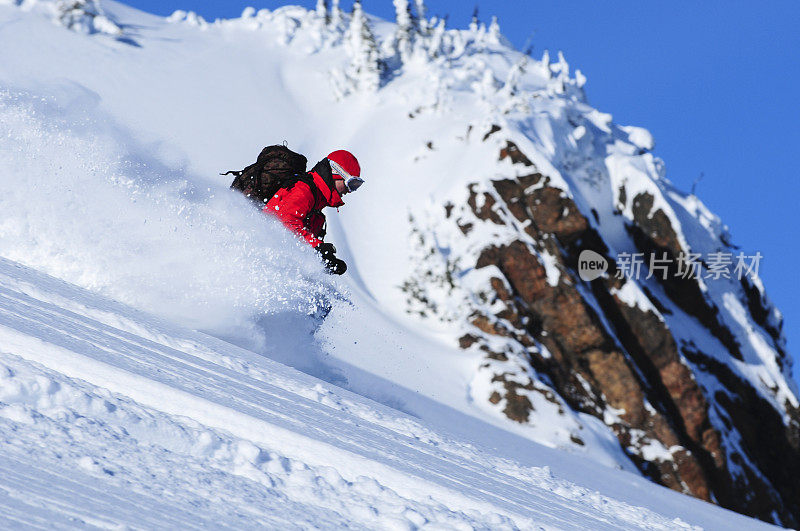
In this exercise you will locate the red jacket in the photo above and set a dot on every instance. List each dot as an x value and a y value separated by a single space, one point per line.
299 207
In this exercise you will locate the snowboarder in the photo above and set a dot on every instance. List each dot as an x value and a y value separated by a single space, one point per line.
299 205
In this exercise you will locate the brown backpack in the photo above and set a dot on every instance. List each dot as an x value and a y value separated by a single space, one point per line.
276 167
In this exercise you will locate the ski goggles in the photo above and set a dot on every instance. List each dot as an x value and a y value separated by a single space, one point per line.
352 182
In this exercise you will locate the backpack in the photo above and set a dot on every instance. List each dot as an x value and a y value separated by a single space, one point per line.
276 167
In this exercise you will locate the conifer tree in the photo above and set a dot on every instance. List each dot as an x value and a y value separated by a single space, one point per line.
366 67
515 74
421 18
546 70
322 11
563 66
336 14
435 40
404 37
473 25
494 31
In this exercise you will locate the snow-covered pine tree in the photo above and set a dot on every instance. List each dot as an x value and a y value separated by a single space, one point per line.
336 14
85 16
406 29
545 65
366 67
563 73
473 24
435 41
563 65
323 11
494 31
422 20
515 73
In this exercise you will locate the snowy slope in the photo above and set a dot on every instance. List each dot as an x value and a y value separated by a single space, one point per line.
110 417
114 125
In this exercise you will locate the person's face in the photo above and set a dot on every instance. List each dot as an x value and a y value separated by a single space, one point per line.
341 187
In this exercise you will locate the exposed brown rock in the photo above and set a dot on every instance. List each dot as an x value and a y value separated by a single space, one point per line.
618 383
495 128
769 442
654 341
654 236
581 346
512 152
518 407
467 341
622 199
655 225
691 475
483 323
757 308
485 211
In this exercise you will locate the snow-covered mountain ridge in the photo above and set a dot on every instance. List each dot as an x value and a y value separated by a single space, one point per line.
488 165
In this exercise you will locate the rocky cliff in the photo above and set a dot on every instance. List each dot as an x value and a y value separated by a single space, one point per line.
686 369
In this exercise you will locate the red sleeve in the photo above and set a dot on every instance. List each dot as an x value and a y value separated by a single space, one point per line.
293 208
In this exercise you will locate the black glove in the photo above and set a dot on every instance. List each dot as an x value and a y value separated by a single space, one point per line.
334 265
326 248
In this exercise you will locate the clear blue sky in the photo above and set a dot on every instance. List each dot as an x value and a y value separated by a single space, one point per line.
716 82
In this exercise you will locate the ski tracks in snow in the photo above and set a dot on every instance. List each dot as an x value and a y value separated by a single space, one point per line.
110 417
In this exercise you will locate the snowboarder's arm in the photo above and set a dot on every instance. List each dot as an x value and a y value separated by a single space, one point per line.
293 209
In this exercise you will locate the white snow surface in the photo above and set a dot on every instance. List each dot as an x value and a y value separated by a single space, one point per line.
111 418
151 322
